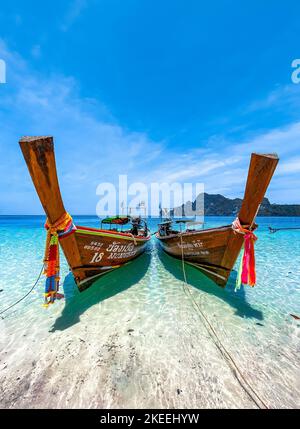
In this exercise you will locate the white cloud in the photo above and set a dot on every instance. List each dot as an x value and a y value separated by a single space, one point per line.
223 165
284 140
75 9
91 147
290 166
36 51
279 99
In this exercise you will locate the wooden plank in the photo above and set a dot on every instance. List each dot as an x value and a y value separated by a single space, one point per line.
217 249
39 156
260 173
85 258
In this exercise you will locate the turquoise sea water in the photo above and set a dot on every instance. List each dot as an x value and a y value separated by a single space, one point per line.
143 330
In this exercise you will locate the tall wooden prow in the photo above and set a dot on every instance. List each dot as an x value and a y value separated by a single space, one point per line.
39 156
261 170
90 252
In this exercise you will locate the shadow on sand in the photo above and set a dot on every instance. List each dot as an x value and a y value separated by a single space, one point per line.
198 280
105 287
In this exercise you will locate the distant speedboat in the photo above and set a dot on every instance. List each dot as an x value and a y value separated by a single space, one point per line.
214 251
90 252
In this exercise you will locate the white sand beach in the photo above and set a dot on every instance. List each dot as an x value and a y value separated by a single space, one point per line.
134 340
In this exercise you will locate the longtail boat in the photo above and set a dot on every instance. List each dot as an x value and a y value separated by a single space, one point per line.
214 251
90 252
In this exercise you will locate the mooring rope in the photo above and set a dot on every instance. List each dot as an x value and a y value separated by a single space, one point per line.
23 297
273 230
218 343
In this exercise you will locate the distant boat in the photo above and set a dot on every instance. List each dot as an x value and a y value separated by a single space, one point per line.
214 251
273 230
90 252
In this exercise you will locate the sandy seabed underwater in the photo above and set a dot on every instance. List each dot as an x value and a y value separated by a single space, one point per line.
136 338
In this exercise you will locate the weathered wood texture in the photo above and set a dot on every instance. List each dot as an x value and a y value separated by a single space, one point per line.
214 251
90 252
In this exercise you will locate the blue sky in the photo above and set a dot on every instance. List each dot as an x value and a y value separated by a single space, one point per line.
159 90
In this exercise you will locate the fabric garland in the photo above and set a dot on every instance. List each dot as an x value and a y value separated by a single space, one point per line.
246 273
239 275
60 228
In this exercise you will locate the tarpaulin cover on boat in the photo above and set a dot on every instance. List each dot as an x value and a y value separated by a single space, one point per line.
116 220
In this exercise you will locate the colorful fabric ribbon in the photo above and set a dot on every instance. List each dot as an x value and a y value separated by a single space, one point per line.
51 260
246 273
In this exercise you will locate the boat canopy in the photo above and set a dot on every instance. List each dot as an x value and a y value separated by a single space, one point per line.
190 222
116 220
166 222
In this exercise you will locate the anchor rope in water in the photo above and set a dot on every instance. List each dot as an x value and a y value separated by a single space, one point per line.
24 296
218 343
50 267
273 230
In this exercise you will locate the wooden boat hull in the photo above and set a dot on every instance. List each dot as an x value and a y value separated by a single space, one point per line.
101 251
203 249
214 251
90 252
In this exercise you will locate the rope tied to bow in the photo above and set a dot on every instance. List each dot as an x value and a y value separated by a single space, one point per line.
246 273
51 258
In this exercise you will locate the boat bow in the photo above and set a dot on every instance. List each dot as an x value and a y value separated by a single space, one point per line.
90 252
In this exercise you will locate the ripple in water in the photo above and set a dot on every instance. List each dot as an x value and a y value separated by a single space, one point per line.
136 339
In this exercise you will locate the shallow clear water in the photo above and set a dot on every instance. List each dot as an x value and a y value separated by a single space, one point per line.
136 338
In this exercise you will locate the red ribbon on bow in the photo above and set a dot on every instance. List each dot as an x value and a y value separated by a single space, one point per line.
248 273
